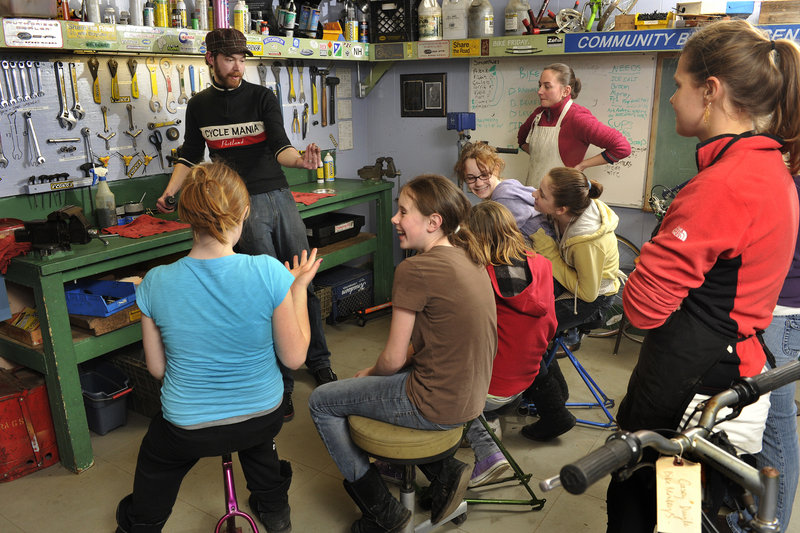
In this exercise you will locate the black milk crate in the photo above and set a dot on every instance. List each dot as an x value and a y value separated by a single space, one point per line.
146 396
393 21
351 290
329 228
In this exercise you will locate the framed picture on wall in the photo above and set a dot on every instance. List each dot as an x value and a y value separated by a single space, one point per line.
423 95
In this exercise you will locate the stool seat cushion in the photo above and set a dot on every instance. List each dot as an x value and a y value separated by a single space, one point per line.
387 441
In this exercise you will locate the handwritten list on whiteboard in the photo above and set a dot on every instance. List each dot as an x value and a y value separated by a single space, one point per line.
617 89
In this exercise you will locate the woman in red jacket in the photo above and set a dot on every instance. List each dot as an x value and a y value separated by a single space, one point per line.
706 284
558 132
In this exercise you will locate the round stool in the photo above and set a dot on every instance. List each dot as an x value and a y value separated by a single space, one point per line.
408 447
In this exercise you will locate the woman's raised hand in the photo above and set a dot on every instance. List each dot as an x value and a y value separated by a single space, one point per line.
305 268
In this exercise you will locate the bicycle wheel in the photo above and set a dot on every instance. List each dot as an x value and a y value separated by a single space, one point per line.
628 252
569 21
616 7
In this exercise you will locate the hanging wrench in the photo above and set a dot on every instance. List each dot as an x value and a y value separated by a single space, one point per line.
171 105
77 110
38 67
191 79
302 90
262 73
65 119
290 66
104 111
132 64
3 101
132 131
3 160
32 135
17 95
94 64
276 71
16 153
155 103
29 72
23 80
182 98
11 99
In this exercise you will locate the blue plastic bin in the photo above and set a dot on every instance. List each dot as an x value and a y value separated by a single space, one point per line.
99 297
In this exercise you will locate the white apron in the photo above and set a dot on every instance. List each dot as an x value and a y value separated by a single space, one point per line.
543 148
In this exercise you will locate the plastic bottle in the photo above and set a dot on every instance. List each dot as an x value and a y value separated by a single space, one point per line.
240 16
289 17
181 7
516 12
135 11
202 14
93 11
105 207
480 19
328 169
162 13
454 19
430 20
149 14
320 175
221 14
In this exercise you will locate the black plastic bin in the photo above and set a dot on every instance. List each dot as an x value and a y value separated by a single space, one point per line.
105 389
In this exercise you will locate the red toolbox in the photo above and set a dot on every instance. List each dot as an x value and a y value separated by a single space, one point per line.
27 436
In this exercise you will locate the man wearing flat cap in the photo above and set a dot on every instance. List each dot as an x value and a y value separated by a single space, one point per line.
241 124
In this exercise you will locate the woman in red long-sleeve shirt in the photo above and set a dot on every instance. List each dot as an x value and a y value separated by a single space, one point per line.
558 133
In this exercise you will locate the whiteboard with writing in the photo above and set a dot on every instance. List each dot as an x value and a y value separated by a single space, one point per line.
618 90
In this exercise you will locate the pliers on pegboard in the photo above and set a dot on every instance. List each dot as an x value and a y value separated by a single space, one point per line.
305 120
295 122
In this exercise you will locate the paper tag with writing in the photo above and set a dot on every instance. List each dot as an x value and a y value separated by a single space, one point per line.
679 496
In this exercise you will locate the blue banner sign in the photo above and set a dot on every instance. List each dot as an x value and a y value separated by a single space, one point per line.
652 40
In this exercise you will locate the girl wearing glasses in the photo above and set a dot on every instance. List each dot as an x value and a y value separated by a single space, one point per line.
558 132
479 167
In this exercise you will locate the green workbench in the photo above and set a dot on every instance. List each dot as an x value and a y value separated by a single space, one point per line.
62 349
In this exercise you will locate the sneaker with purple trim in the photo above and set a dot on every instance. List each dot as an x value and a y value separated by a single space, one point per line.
487 470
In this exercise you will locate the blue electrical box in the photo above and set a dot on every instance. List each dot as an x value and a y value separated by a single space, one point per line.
461 121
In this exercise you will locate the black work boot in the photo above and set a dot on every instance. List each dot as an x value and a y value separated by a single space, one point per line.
448 487
555 370
273 510
381 511
125 525
554 417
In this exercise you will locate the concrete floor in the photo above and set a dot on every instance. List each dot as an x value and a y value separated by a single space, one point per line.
56 500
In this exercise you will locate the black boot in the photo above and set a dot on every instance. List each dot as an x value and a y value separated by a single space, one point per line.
274 511
381 511
555 370
449 480
554 417
125 525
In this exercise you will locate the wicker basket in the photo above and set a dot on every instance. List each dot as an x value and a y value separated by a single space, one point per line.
324 294
146 396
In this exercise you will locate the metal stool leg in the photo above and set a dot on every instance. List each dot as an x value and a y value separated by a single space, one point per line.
535 503
227 524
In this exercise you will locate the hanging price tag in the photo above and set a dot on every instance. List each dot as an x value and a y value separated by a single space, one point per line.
679 495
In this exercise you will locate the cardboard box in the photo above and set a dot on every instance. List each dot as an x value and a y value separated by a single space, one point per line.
624 22
27 435
23 326
779 12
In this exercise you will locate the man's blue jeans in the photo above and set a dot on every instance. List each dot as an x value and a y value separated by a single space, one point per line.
378 397
275 228
780 446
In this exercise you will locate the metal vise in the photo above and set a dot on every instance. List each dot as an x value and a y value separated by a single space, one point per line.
383 167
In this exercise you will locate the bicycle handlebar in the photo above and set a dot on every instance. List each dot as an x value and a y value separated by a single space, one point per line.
624 449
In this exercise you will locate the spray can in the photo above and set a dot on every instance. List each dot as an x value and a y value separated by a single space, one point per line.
162 13
104 204
363 23
221 14
201 6
289 17
320 175
135 12
93 11
480 19
430 20
240 16
454 19
149 14
328 169
516 12
181 7
350 22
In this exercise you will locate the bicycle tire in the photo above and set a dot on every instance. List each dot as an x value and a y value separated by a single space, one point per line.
606 21
628 253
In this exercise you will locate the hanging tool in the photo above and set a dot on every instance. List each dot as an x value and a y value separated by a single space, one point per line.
11 99
154 125
262 73
276 72
104 111
290 66
156 140
17 95
104 160
34 140
323 73
305 119
313 72
70 140
132 131
295 122
23 80
115 96
127 159
3 160
38 68
173 134
332 82
3 100
29 77
132 64
77 109
65 119
146 160
166 66
300 69
191 79
94 65
16 152
107 137
155 103
182 98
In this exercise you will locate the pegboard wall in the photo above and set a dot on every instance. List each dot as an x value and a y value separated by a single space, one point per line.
167 79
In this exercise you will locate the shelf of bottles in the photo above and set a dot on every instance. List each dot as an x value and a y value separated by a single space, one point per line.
50 34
